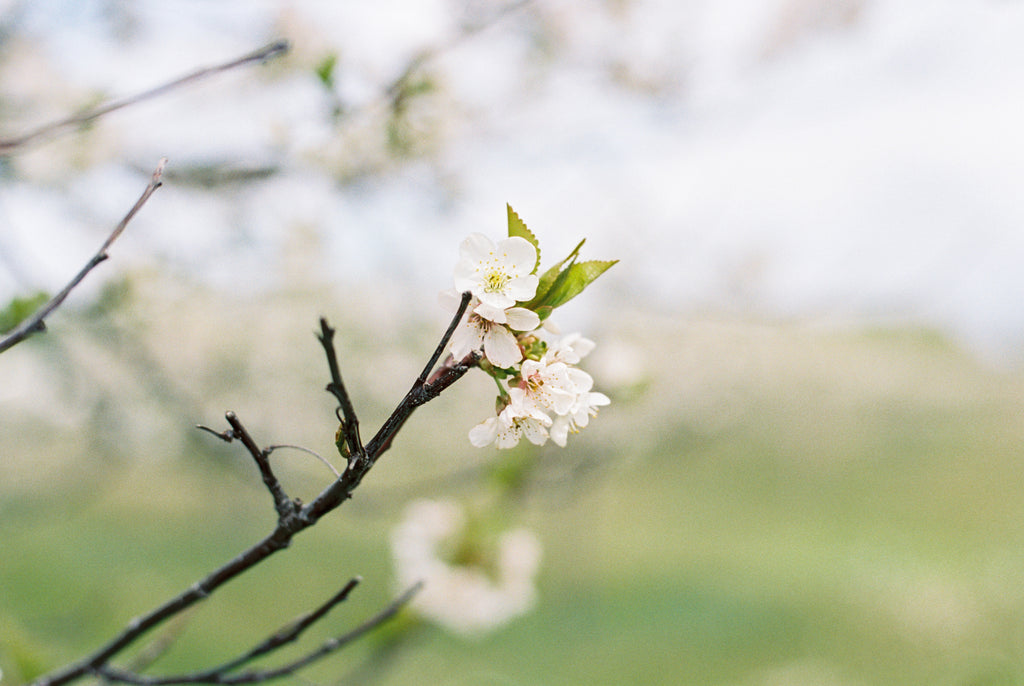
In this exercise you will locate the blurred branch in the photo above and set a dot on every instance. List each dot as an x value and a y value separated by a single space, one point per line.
36 323
10 145
285 635
293 518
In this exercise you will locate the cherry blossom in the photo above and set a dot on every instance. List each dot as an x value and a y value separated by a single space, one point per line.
493 335
468 597
499 275
521 417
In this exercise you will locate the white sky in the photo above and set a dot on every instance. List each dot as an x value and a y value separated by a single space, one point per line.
807 158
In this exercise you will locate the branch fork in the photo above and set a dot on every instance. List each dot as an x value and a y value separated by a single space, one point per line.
293 518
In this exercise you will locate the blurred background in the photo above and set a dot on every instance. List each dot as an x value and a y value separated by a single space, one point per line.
810 470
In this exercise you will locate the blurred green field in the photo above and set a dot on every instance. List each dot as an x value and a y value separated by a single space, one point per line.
762 504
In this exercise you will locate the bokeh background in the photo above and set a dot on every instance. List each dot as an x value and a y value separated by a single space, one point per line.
810 471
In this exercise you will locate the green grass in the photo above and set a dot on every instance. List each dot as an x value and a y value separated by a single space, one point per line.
769 505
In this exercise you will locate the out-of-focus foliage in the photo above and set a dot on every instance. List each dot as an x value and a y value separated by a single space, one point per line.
20 308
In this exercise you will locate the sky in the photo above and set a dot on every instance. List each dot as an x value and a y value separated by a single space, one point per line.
822 161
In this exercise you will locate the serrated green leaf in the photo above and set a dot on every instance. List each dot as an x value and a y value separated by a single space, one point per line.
573 280
517 227
19 309
548 279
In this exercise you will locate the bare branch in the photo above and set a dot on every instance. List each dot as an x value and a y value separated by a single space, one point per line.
332 496
291 521
336 387
282 503
222 675
36 322
10 145
463 305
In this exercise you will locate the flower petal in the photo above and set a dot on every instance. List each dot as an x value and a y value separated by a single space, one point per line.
521 319
484 433
491 314
518 255
523 288
467 337
477 248
501 347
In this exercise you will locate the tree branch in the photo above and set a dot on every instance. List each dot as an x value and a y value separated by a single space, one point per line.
291 521
336 387
282 503
339 491
36 323
10 145
285 635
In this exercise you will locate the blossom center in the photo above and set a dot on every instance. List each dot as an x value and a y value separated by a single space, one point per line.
495 281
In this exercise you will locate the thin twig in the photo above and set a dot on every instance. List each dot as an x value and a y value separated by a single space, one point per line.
336 387
288 526
271 448
10 145
223 677
282 503
36 322
332 496
463 305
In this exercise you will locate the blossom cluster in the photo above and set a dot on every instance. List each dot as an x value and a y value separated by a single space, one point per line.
541 393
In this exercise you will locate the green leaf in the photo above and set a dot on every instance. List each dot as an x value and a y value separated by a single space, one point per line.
517 227
547 281
325 70
19 309
572 280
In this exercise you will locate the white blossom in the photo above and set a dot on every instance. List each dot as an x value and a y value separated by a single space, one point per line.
499 275
548 384
465 598
570 348
493 335
579 414
521 417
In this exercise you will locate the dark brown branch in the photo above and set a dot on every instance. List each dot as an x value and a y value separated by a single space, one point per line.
339 491
282 503
463 305
36 322
10 145
222 675
336 387
290 523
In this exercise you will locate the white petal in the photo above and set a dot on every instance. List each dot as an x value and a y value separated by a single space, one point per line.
467 276
583 346
518 255
491 314
534 432
450 299
467 337
477 248
522 319
500 346
581 381
501 301
485 433
560 431
508 437
523 288
561 401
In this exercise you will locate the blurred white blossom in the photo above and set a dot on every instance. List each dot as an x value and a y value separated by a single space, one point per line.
468 597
